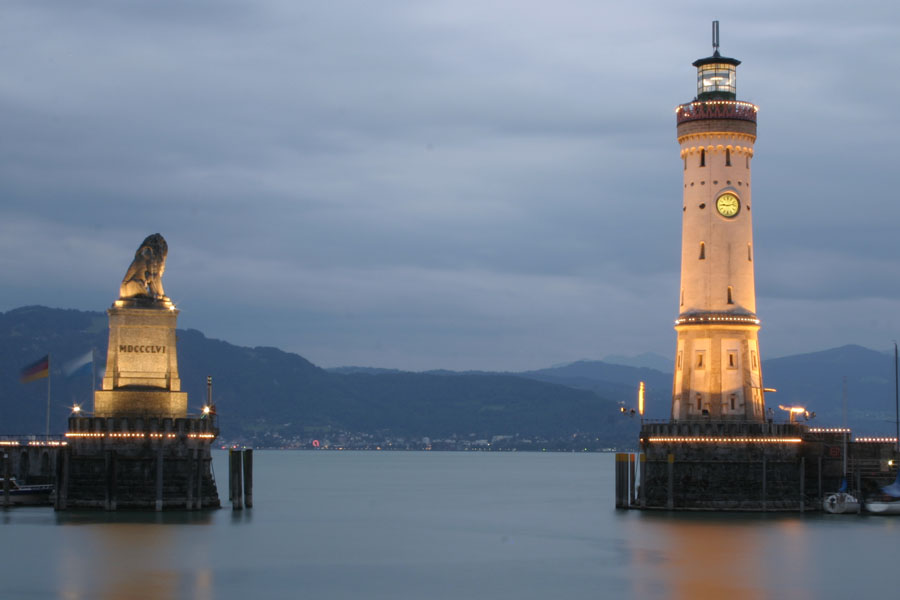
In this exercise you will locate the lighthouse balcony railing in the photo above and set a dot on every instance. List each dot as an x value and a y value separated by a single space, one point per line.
716 109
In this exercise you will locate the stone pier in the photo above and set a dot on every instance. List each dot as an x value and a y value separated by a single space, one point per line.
133 463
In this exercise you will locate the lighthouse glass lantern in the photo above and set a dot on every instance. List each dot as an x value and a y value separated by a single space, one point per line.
716 78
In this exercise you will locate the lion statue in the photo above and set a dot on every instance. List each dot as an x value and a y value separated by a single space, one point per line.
144 276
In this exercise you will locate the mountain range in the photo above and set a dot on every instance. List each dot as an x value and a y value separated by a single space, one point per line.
262 392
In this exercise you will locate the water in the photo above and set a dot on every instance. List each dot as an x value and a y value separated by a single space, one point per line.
433 525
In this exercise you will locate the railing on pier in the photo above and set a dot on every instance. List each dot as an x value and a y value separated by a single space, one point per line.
32 440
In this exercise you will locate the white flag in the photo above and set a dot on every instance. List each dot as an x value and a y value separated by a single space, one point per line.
76 363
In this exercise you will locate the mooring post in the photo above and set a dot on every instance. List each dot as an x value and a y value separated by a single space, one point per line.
618 480
57 480
62 490
159 477
237 502
670 501
107 491
113 475
820 478
631 474
248 478
199 475
642 489
764 483
230 474
802 483
6 475
189 479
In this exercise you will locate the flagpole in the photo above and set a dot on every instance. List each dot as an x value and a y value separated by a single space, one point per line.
48 395
93 379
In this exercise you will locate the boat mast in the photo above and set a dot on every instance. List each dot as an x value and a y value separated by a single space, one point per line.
844 397
897 396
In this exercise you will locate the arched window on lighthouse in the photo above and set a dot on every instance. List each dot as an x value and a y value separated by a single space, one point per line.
702 251
730 295
732 359
703 158
727 157
749 253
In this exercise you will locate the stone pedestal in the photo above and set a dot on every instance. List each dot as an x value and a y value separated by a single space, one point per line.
141 377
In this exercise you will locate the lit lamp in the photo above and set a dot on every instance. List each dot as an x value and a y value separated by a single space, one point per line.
76 409
793 411
641 402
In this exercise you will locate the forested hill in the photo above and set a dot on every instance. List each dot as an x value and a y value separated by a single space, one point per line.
261 390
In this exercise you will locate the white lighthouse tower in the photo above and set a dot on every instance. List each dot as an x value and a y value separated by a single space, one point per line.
717 363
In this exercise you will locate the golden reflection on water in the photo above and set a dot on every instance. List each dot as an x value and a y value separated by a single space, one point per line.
136 561
697 558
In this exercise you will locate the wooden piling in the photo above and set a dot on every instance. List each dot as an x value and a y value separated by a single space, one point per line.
113 478
642 489
57 480
237 501
6 475
199 466
189 479
231 474
618 480
62 486
631 473
159 478
670 500
248 477
820 495
802 484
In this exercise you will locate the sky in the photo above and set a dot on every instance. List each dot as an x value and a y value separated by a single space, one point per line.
452 184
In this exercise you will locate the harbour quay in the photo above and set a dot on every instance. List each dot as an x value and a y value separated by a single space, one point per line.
748 466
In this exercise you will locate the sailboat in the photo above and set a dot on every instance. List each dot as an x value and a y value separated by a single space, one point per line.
842 502
888 502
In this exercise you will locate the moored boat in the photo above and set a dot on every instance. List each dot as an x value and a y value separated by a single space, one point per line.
25 495
841 503
888 502
883 506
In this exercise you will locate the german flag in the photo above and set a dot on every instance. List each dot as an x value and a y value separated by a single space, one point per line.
36 370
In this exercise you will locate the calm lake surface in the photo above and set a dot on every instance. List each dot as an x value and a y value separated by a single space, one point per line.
435 525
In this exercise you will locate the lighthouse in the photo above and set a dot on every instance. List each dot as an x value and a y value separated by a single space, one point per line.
718 372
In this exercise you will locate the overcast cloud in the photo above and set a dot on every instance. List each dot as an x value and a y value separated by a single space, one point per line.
458 184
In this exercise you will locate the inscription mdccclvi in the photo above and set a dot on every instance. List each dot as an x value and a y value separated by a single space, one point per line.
142 348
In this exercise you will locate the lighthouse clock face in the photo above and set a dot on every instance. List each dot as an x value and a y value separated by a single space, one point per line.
728 205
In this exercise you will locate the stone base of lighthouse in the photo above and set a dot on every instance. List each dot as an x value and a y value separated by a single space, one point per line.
717 369
719 466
